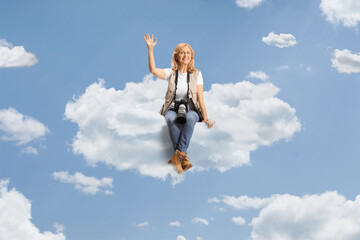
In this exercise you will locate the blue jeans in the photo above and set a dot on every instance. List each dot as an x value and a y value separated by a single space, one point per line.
180 134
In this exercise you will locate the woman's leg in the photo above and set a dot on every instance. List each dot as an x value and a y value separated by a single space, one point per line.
191 118
174 127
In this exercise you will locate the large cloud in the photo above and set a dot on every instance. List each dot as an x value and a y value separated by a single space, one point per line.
345 61
346 12
249 4
17 56
85 184
15 217
280 40
123 128
317 217
22 129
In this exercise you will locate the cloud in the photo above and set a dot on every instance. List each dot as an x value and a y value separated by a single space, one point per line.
4 43
282 40
346 62
238 221
30 150
199 238
175 224
59 227
21 129
346 12
200 220
283 67
180 237
214 200
258 74
88 185
143 225
15 217
327 216
123 128
17 56
242 202
249 4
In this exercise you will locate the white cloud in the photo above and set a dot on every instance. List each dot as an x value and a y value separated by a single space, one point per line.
199 238
238 221
249 4
88 185
108 192
180 237
214 200
143 225
280 40
200 220
258 74
4 43
30 150
327 216
21 129
346 62
175 224
15 217
346 12
17 56
123 128
243 202
283 67
59 227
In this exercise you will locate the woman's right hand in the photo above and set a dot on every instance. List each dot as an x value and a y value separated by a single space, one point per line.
150 41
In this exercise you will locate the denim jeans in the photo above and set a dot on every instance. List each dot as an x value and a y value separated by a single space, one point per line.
180 134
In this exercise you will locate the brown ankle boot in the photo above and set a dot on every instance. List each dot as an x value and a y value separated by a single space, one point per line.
185 163
176 162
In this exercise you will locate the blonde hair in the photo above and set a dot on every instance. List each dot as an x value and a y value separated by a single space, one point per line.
174 63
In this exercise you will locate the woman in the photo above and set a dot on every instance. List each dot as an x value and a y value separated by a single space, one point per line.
185 84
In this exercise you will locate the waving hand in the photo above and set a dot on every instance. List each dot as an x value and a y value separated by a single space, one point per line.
150 41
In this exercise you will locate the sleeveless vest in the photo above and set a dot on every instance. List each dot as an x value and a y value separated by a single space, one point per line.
170 93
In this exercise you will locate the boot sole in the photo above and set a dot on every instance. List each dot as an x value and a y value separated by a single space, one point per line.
187 167
180 172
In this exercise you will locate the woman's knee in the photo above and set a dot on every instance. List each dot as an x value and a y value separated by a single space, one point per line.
170 117
192 117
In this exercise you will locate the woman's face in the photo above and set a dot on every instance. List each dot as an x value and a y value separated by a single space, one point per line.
184 57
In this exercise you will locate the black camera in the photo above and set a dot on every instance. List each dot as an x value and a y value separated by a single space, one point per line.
181 107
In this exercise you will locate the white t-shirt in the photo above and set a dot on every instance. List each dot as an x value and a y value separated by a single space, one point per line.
181 90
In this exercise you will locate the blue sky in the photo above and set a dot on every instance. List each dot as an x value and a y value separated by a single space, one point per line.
82 142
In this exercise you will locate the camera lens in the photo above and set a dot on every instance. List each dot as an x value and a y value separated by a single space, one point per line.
181 115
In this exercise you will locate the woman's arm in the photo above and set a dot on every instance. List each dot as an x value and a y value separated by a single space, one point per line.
158 72
200 98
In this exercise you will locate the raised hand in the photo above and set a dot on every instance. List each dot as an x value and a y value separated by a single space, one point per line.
150 41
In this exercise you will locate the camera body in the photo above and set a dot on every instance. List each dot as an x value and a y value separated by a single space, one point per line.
181 107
